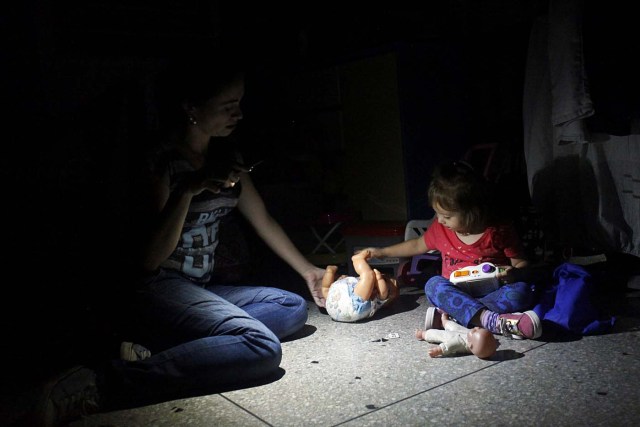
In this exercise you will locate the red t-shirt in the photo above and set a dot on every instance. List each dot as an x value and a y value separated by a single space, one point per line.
497 245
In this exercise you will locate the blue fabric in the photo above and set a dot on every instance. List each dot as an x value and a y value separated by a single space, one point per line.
461 306
567 303
202 338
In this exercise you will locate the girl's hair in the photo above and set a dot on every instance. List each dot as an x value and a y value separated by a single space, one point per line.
457 187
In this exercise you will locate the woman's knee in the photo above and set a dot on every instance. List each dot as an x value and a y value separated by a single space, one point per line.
267 348
298 316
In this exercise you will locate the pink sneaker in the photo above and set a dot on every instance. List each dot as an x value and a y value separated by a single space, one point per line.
520 325
433 319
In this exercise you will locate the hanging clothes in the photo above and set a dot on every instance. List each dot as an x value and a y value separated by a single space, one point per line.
586 184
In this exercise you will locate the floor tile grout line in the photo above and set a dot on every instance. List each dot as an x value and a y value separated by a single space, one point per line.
390 404
432 388
245 410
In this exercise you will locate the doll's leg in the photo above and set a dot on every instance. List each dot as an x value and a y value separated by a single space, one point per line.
366 283
367 278
328 279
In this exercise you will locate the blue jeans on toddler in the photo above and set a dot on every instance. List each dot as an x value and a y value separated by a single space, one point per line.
509 298
204 338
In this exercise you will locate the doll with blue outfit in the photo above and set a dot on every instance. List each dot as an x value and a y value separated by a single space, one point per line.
350 299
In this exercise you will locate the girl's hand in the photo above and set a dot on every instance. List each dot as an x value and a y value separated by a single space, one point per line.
372 253
506 274
516 272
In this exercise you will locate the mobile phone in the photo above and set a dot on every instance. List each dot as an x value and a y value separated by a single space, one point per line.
253 166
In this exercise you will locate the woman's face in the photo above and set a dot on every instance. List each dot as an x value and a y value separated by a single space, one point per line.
220 115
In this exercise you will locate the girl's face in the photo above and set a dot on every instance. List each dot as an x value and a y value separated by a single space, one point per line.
450 219
220 115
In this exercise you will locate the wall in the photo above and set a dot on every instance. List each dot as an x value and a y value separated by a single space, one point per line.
373 141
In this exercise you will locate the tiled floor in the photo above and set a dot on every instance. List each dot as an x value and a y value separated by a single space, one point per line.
360 374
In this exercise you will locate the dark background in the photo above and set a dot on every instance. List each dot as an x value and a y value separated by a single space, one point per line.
76 94
81 73
77 106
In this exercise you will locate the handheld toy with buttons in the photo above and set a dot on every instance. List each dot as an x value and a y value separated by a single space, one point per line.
477 280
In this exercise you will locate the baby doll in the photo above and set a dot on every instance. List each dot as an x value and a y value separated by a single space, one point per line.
349 299
456 339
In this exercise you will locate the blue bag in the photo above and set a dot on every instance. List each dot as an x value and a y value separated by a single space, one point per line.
567 303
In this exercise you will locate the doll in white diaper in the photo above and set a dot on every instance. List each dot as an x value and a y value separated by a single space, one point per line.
349 299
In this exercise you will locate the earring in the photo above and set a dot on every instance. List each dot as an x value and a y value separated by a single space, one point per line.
192 120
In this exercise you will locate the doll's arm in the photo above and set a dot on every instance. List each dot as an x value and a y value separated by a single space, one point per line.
436 351
386 288
381 285
433 336
448 342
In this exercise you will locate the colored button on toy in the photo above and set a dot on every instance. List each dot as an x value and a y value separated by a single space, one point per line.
488 268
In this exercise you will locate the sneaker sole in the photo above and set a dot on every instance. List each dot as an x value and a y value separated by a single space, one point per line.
132 352
127 353
429 317
44 414
537 324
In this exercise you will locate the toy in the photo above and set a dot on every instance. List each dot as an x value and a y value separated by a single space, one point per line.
456 339
477 280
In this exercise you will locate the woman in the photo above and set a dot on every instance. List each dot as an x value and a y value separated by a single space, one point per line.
200 335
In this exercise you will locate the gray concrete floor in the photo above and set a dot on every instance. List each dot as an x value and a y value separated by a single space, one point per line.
360 374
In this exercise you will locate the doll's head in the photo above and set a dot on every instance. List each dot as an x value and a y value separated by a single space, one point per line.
482 343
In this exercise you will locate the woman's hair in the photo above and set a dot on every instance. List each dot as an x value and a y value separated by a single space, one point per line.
201 80
192 79
457 187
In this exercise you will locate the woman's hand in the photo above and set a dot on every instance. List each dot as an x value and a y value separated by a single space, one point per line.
204 179
313 277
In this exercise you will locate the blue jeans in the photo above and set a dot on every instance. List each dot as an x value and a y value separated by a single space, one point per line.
204 338
510 298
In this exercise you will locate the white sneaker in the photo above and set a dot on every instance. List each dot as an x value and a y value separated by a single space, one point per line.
433 319
68 396
133 352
